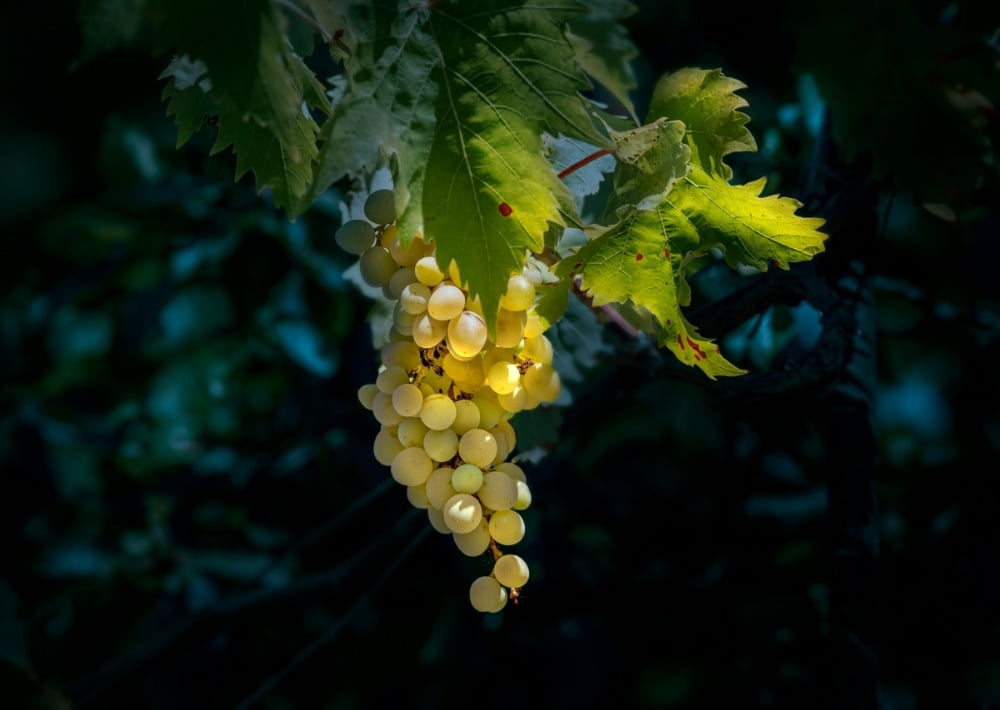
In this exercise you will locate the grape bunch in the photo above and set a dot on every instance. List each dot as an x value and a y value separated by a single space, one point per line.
445 393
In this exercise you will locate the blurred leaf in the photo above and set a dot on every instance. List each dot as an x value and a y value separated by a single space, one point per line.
13 647
303 342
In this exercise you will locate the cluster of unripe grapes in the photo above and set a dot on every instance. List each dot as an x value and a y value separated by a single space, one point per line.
446 390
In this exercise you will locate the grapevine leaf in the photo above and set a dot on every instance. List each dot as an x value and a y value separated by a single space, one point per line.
751 229
260 86
705 100
565 152
633 262
651 158
388 108
507 75
188 94
553 298
604 50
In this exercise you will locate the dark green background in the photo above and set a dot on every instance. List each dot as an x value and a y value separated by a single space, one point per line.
181 444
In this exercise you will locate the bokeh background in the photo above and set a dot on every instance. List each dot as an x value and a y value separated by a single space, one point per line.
191 516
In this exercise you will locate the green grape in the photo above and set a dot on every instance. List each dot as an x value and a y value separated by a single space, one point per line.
473 543
411 466
478 447
498 492
511 469
438 412
390 378
366 395
520 294
490 412
386 446
380 207
503 377
506 429
510 328
523 496
538 349
383 410
402 278
441 445
446 301
407 400
542 382
486 595
437 521
414 298
427 331
428 272
466 334
514 401
462 513
511 571
411 432
467 478
533 325
377 266
466 416
506 527
409 256
387 236
439 488
417 495
355 237
403 354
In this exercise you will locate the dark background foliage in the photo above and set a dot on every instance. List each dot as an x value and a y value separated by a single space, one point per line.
192 516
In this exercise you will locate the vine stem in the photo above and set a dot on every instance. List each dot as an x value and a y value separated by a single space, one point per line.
583 161
329 38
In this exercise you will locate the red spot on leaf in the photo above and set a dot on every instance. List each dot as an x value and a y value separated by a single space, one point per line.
666 253
639 257
505 209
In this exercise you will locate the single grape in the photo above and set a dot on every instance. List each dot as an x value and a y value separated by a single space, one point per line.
402 354
411 466
427 271
439 488
355 237
541 381
417 495
467 478
377 266
523 496
383 410
446 301
466 334
506 527
428 332
410 255
399 280
478 447
414 298
441 445
511 571
386 446
473 543
390 378
466 416
533 326
510 468
366 395
380 207
462 513
486 595
503 377
490 412
498 492
407 400
411 432
520 294
510 328
438 412
437 521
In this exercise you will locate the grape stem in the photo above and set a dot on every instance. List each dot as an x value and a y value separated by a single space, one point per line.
612 315
583 161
